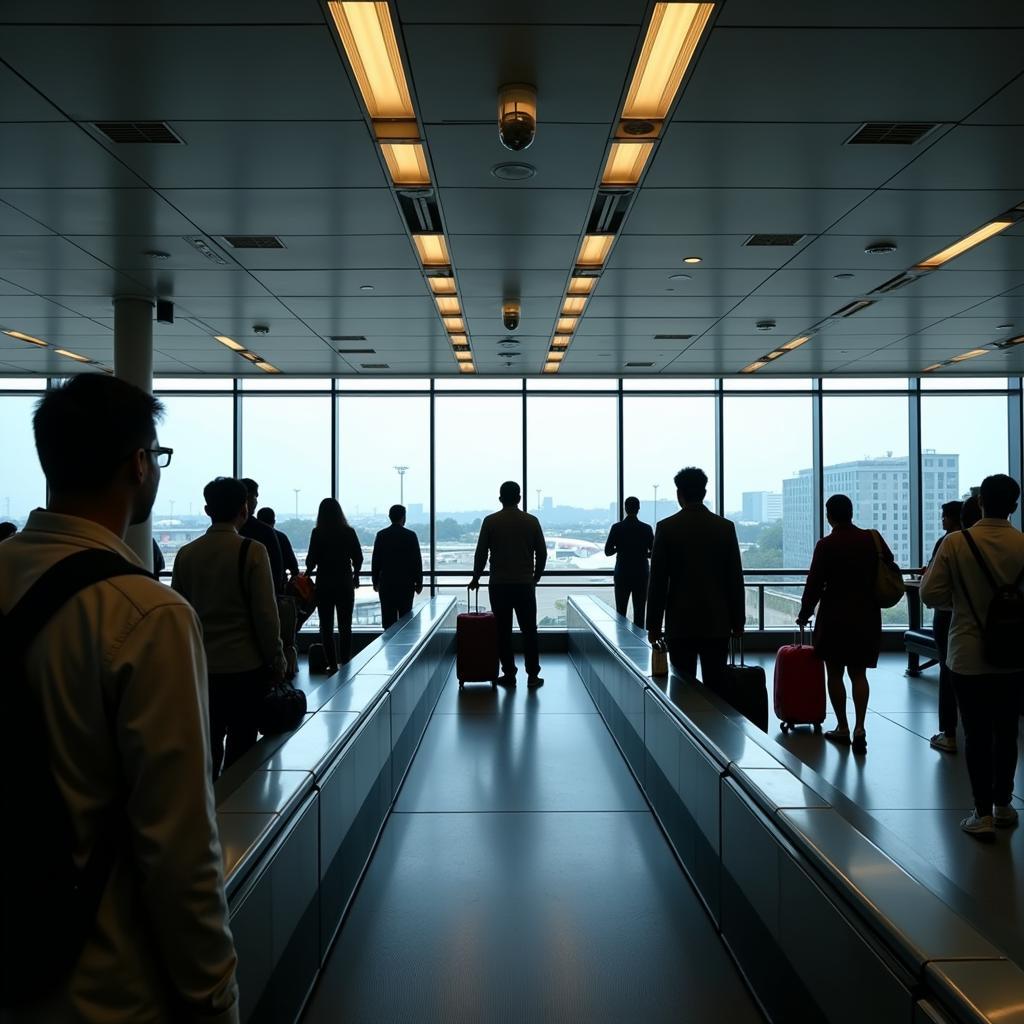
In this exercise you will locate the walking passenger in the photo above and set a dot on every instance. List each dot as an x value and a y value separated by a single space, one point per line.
514 542
696 583
226 578
631 542
335 554
266 535
848 625
979 572
945 738
268 517
396 567
112 705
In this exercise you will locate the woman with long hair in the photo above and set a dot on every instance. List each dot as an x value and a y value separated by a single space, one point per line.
335 554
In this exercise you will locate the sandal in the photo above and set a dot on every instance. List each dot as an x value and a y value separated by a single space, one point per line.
859 743
838 735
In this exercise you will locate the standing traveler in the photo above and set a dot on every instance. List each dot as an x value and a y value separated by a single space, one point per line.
631 542
266 535
696 583
335 554
226 578
848 624
979 572
268 517
945 738
514 542
396 567
111 715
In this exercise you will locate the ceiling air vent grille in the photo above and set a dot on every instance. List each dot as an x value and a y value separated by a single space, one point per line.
853 307
673 337
890 133
639 364
253 241
894 283
356 351
347 337
419 208
783 240
152 132
375 366
609 212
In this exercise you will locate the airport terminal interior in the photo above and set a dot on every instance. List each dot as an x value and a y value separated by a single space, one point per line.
401 252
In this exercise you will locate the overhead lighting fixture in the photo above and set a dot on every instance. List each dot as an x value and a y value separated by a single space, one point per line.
966 243
934 366
517 116
973 354
459 339
28 338
566 324
795 343
267 367
693 259
594 250
573 306
561 341
582 285
407 163
229 342
251 356
669 46
442 285
550 367
555 357
72 355
432 249
626 162
467 367
448 304
774 355
454 324
464 357
371 47
753 367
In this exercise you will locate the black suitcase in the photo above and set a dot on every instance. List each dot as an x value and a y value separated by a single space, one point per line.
745 688
317 658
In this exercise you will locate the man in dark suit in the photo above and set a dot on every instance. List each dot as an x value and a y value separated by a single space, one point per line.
291 564
396 567
630 541
264 534
696 583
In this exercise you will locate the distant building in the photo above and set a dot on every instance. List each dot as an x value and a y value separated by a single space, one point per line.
880 492
414 512
761 507
549 504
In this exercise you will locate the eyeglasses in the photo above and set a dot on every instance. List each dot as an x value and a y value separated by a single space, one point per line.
162 456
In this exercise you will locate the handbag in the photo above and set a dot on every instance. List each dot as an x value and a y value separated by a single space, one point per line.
303 589
282 706
659 658
889 586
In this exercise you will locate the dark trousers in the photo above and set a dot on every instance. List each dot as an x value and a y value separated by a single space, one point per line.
631 586
338 597
947 694
520 598
394 603
713 652
989 706
234 702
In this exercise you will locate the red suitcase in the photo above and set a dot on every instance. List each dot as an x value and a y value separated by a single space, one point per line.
476 646
799 686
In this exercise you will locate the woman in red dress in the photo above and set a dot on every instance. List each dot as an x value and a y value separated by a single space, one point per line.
848 624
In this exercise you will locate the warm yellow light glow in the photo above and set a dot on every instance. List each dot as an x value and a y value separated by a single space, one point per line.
432 249
582 285
27 337
459 339
626 162
230 342
464 357
795 343
555 357
251 356
561 342
594 250
372 49
551 367
973 354
267 367
774 355
754 366
467 367
442 285
934 366
72 355
573 306
969 242
669 45
692 259
454 323
448 304
566 324
407 163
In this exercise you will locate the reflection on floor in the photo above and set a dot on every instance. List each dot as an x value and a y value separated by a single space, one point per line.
522 878
920 795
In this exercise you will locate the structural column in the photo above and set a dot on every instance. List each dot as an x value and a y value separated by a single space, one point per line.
133 362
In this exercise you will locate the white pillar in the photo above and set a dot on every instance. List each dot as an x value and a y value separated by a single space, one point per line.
133 362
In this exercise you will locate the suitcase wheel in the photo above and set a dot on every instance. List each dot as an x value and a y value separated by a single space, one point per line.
785 726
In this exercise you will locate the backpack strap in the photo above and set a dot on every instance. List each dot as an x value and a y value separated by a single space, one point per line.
992 581
55 588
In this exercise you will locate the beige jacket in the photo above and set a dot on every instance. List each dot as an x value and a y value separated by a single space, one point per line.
161 949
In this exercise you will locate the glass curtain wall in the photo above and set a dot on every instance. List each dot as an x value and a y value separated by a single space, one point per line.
22 487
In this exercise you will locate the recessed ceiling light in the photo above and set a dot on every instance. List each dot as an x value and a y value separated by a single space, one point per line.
442 285
432 249
880 248
406 162
973 354
229 342
366 287
692 259
72 355
27 337
448 305
582 285
573 305
626 162
755 366
594 250
680 277
513 171
157 254
965 243
267 367
842 277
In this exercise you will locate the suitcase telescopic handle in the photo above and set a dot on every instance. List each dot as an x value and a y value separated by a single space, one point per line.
735 644
469 600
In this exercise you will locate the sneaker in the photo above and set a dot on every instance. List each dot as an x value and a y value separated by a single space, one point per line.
940 741
534 681
980 828
1005 817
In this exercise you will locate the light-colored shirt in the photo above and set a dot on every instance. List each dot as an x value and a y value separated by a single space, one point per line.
241 625
130 649
954 574
515 542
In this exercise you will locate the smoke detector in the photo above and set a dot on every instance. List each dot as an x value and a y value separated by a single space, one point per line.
260 329
765 325
880 248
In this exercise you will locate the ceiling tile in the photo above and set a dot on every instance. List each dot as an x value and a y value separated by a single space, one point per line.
969 157
495 211
97 211
52 155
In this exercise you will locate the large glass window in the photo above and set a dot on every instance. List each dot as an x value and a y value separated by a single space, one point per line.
201 432
22 486
661 434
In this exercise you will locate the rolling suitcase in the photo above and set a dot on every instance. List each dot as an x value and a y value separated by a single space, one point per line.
799 686
317 658
476 645
744 687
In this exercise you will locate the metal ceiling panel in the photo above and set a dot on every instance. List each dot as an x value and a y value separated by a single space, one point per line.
642 327
523 283
226 283
181 12
29 252
686 282
256 307
530 12
8 288
53 155
845 253
62 283
806 281
496 211
337 252
20 102
97 211
874 14
1006 107
14 309
382 283
970 157
133 253
624 306
515 252
667 252
391 309
535 309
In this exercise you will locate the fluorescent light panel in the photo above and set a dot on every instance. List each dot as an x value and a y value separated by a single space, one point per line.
594 250
72 355
555 357
795 343
551 367
464 357
407 162
561 341
973 354
267 367
442 285
566 324
432 249
573 306
459 339
229 342
372 49
671 41
448 304
467 367
626 162
28 338
454 323
966 243
582 285
753 367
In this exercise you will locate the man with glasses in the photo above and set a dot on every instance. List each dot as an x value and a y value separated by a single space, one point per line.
112 879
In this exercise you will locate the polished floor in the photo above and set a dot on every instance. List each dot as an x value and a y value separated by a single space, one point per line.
523 878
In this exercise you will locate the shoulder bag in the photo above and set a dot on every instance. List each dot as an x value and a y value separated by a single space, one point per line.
889 587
